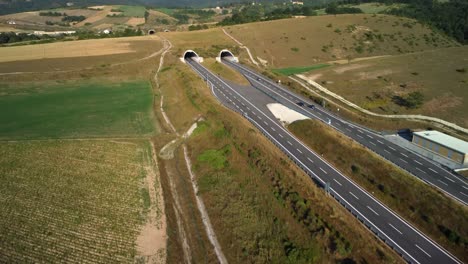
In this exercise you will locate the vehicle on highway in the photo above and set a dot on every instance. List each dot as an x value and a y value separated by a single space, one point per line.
300 103
311 106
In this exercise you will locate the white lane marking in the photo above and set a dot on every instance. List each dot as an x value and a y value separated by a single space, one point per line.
259 117
403 160
299 151
420 170
372 143
372 210
360 131
464 194
272 128
310 160
449 179
433 170
281 136
248 108
338 124
422 250
465 187
379 141
348 129
353 195
265 122
443 182
360 136
289 143
387 151
339 183
323 170
369 136
404 154
418 162
391 148
395 229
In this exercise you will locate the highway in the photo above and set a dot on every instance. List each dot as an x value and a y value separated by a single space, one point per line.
405 239
454 185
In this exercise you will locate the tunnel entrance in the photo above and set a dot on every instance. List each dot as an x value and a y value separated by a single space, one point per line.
226 55
151 32
190 54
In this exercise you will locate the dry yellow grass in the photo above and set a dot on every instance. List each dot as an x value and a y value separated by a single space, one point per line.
311 40
85 48
135 21
96 17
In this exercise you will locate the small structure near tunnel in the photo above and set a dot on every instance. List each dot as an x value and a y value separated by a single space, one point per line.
227 55
190 54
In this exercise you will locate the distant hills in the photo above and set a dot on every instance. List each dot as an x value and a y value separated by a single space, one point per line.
16 6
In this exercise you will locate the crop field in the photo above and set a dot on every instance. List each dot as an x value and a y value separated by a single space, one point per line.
72 201
132 11
94 108
312 40
440 75
65 56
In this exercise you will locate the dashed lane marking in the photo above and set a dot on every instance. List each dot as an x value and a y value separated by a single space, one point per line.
443 182
395 229
339 183
323 170
422 250
354 195
372 210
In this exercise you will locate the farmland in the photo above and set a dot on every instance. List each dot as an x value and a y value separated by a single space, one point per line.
76 110
73 201
439 75
289 42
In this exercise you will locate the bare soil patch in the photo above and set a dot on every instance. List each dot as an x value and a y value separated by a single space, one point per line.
135 21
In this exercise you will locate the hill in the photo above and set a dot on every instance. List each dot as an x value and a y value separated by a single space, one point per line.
311 40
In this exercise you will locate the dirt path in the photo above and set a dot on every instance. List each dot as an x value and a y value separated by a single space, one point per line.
201 207
243 47
151 243
348 103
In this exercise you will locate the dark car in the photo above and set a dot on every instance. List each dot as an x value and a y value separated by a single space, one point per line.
300 103
311 106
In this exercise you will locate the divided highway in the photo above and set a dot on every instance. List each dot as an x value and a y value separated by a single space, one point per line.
405 239
451 184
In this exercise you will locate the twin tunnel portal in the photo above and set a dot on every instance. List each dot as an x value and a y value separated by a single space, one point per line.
223 54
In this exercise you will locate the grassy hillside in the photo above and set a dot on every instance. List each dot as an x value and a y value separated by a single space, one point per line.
311 40
379 84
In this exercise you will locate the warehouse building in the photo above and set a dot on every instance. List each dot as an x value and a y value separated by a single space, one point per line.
444 145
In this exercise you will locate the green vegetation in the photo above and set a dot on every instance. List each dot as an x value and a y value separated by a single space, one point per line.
73 18
434 213
298 70
52 14
215 158
70 110
132 10
71 201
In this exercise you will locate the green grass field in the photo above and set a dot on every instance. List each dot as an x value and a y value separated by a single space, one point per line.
132 11
71 201
75 110
296 70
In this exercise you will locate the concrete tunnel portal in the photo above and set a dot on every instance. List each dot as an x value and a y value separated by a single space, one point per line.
227 55
190 54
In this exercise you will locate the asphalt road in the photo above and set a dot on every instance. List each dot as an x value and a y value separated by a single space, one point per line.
405 239
454 185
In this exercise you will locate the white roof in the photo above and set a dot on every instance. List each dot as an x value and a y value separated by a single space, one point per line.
445 140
